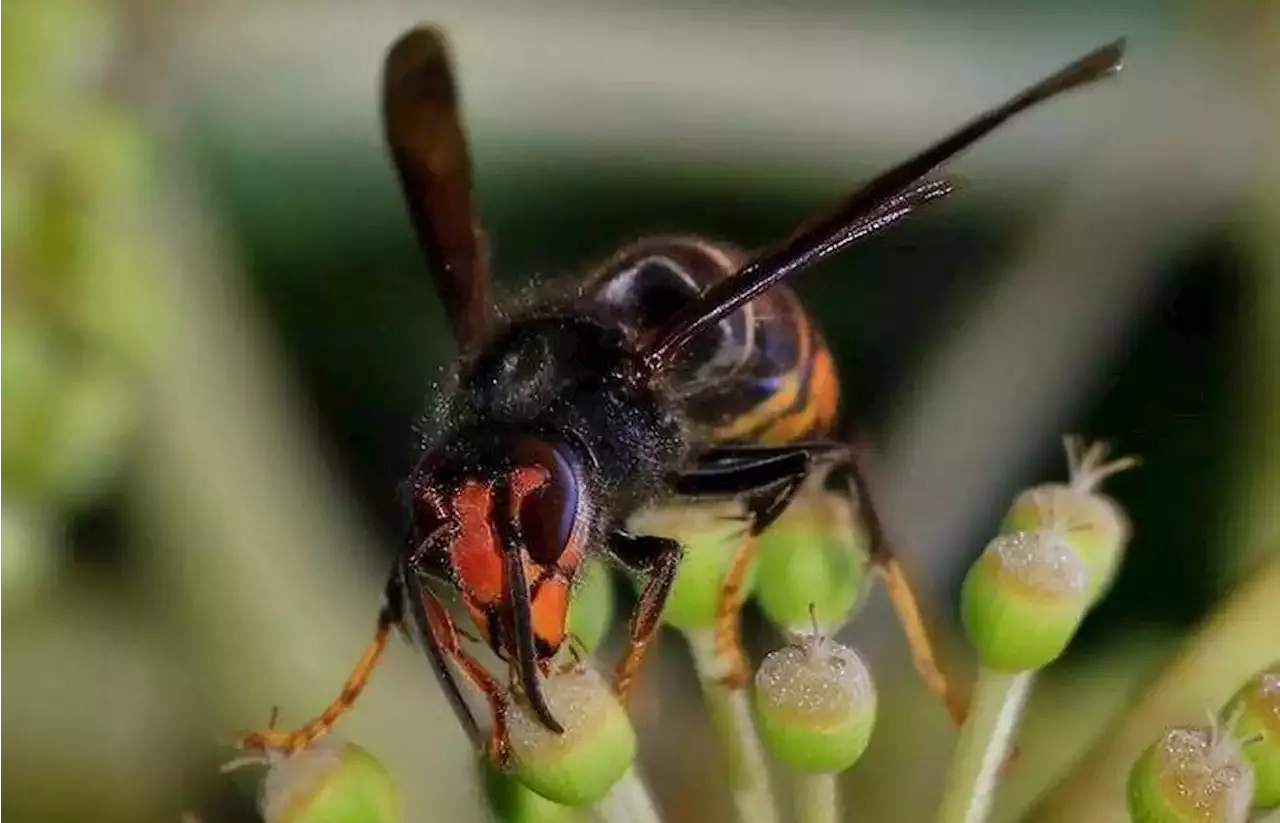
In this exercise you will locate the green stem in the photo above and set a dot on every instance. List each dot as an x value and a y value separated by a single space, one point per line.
629 802
731 718
817 798
984 745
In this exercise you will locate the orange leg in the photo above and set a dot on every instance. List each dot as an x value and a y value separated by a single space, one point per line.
648 616
908 610
729 615
903 598
445 635
288 742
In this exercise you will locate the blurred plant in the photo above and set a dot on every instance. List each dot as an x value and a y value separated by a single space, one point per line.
79 251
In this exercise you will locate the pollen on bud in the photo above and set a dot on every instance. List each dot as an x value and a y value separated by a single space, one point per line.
1091 522
1192 774
1023 599
816 705
591 607
1253 718
711 533
813 563
330 781
578 767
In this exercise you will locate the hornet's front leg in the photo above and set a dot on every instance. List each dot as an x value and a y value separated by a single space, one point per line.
443 638
288 742
660 558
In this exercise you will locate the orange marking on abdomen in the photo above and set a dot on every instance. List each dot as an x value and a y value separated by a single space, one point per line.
777 403
824 393
821 403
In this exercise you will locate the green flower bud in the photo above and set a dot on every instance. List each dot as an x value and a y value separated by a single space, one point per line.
510 801
1254 721
816 705
591 607
578 767
1090 522
711 533
1191 775
813 563
1023 600
329 782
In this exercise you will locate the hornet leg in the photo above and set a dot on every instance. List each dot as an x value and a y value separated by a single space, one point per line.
903 597
767 478
660 557
445 637
289 742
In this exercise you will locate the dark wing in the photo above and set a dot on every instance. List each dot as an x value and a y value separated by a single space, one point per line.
883 201
425 133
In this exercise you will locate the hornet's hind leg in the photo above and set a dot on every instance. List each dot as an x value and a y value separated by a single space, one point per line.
903 597
768 478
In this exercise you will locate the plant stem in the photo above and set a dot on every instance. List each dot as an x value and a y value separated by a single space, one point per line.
984 745
817 798
629 802
730 713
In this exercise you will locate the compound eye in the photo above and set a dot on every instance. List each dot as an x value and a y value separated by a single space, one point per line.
546 495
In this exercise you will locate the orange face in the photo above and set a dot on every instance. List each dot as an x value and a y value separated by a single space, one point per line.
517 547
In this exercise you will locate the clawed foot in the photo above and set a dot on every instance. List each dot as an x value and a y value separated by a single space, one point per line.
271 741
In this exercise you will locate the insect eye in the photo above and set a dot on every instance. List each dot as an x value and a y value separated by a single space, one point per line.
547 511
541 514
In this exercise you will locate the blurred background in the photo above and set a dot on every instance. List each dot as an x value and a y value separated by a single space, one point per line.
218 337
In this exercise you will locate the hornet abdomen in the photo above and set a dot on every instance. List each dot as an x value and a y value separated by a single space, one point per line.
762 375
